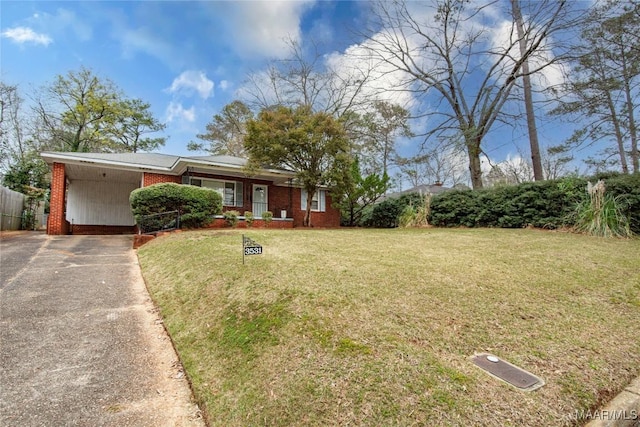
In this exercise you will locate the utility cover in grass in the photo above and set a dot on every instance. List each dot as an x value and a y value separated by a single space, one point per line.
507 372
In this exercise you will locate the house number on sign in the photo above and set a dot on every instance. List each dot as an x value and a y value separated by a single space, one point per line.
250 247
253 250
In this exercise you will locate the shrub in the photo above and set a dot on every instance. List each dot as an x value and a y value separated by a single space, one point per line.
416 216
455 208
267 216
626 190
544 204
387 213
195 205
407 217
231 218
600 215
248 218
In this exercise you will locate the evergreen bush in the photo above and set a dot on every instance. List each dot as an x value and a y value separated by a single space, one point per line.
387 213
544 204
195 205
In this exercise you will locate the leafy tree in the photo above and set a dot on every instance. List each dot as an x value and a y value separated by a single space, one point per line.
75 111
134 122
313 145
359 193
226 131
28 172
81 112
445 53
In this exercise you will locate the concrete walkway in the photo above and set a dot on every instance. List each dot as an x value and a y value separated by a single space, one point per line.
80 342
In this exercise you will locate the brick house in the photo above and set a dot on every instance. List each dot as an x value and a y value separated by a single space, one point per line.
90 191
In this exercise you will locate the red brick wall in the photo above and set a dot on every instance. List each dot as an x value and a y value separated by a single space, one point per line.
257 223
280 198
57 224
83 229
329 218
157 178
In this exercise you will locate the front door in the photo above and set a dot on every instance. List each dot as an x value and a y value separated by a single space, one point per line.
260 200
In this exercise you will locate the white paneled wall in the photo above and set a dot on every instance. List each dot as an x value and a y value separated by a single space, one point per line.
99 203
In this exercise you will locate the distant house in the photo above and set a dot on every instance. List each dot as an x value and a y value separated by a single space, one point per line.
420 189
90 191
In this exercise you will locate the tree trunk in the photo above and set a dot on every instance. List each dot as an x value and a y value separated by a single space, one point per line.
306 222
618 132
475 168
630 117
536 160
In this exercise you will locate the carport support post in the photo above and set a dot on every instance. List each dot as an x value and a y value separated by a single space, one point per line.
56 223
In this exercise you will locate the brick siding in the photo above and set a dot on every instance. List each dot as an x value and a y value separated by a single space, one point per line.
57 223
158 178
84 229
257 223
280 198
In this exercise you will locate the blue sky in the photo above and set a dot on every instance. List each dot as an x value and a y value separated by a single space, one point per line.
188 59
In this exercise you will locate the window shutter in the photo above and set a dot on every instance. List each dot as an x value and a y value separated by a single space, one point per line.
239 199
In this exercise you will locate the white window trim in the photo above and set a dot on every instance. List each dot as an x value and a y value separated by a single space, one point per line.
320 196
236 202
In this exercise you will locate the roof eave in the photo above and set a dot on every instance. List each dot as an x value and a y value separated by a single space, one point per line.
50 158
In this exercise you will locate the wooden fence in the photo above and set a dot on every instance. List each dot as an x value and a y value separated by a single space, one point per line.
11 207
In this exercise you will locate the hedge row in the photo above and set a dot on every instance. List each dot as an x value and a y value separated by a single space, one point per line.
546 204
195 205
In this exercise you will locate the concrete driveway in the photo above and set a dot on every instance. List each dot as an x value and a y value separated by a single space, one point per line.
80 341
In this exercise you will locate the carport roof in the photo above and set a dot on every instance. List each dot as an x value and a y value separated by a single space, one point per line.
161 163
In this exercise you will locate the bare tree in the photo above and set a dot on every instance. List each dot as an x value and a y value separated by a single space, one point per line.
306 80
444 164
448 57
16 141
21 168
379 131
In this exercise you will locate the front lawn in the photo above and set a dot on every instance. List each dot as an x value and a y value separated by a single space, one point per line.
376 327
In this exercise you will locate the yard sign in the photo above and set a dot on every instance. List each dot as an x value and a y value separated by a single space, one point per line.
250 247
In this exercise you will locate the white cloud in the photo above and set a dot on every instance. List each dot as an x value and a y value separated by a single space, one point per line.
224 85
503 36
22 35
190 81
176 112
382 80
262 27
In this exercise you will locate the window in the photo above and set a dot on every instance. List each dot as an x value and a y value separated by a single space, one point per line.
231 191
317 202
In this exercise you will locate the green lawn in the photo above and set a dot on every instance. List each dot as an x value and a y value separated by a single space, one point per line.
376 327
